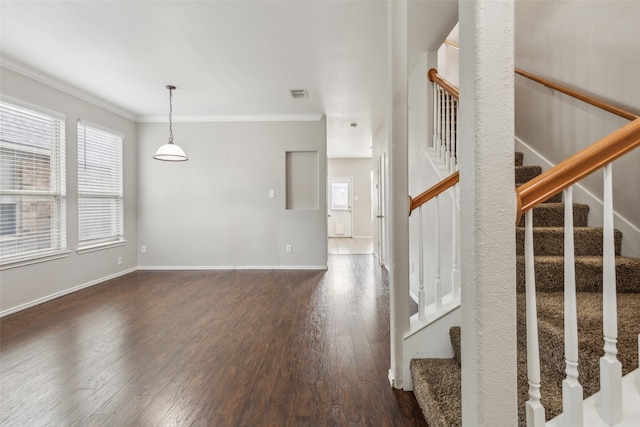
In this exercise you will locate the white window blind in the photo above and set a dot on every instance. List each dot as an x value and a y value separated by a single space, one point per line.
100 196
32 182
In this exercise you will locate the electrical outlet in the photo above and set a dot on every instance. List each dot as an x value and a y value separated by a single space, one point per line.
143 249
120 260
289 249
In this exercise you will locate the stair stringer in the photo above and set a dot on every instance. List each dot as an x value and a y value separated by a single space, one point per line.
429 339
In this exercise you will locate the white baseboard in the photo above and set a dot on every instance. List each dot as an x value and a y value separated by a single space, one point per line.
64 292
630 232
413 296
131 270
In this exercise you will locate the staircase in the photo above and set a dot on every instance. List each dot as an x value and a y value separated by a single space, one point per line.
437 382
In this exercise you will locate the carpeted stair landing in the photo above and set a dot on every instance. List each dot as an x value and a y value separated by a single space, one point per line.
437 382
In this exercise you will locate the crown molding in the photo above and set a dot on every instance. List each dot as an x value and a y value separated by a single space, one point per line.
234 118
41 77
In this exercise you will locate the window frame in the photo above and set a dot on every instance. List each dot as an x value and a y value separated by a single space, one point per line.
55 194
117 238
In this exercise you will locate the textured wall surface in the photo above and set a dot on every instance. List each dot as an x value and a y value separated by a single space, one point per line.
487 204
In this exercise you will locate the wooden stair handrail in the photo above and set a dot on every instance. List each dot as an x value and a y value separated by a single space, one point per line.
437 78
452 43
578 166
575 94
434 191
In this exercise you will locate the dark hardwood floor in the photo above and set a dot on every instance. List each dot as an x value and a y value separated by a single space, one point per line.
208 348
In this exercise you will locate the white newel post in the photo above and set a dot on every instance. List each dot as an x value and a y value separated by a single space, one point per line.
610 366
534 408
571 388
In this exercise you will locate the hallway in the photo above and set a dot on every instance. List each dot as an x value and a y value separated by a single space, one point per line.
350 246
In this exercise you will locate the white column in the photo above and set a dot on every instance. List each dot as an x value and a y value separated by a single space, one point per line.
487 213
399 188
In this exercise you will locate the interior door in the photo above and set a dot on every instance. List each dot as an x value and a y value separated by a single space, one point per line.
380 186
340 202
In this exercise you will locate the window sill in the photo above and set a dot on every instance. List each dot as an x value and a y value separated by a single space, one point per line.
100 246
21 262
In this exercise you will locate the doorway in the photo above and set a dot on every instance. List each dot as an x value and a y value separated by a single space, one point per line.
340 221
380 208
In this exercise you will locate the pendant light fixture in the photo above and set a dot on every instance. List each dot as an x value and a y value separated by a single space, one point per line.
170 152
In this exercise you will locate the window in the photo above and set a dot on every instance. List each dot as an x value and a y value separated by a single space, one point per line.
32 182
339 196
100 196
8 219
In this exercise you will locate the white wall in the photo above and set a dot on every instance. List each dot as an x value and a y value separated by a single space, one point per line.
591 46
24 286
214 211
360 170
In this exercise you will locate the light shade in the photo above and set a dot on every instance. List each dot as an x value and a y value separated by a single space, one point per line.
170 152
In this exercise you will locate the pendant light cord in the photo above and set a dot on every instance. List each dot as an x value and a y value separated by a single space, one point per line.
170 113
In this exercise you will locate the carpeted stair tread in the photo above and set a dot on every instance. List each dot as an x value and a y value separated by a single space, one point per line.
550 241
552 215
550 307
437 382
550 273
437 386
439 397
454 333
526 173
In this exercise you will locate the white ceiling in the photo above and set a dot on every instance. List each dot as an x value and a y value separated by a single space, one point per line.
230 60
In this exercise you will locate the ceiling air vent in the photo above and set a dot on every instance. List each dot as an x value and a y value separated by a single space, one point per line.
299 93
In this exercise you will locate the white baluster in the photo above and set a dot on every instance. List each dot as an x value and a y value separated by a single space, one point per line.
447 131
450 132
455 274
422 302
439 123
445 124
610 366
455 137
437 282
434 141
571 388
534 408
